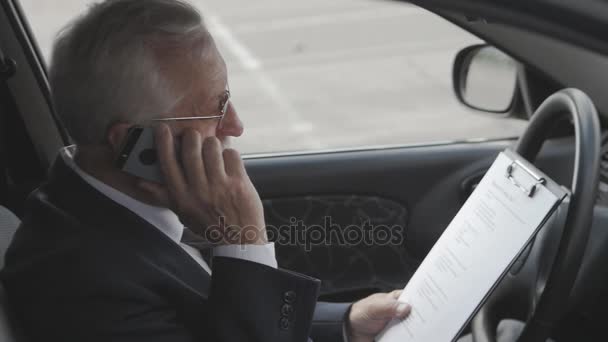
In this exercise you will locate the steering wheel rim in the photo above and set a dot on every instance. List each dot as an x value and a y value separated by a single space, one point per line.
546 306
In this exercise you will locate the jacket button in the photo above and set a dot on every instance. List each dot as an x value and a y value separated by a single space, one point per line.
289 297
287 310
284 323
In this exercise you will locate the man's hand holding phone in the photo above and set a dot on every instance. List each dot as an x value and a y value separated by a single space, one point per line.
210 191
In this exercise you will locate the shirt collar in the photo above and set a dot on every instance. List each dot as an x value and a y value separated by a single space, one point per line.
163 219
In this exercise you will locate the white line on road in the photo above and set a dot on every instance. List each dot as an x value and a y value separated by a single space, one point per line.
254 67
382 51
222 32
332 18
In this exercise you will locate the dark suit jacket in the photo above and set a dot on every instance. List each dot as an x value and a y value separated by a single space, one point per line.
83 268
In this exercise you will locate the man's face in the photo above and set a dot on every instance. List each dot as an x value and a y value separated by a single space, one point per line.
204 94
202 85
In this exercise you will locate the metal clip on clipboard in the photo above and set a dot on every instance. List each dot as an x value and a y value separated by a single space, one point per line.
532 189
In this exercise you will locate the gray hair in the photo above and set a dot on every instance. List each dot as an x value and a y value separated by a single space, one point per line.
105 66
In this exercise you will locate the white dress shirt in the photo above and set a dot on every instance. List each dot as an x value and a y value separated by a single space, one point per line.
167 222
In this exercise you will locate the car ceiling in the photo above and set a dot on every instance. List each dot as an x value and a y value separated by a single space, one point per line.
562 39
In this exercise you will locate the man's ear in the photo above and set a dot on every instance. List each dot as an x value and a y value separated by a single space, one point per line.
116 135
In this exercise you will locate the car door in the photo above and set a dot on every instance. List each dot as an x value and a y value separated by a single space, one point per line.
362 155
402 198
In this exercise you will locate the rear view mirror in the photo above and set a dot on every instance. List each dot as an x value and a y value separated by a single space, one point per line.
485 79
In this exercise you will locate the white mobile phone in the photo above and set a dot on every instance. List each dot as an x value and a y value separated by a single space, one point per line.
138 155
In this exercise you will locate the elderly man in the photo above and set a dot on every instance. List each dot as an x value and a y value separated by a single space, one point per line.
103 255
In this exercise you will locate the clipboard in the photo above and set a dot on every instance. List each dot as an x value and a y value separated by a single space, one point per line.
506 210
541 179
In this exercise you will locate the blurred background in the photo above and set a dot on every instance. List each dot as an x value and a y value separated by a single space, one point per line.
310 75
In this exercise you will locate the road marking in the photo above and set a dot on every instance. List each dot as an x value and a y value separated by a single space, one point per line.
333 18
221 31
254 67
345 56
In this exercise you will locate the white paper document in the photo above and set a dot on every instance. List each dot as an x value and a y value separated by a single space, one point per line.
474 251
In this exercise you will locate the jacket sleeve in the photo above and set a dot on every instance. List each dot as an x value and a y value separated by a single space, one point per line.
328 321
248 302
254 302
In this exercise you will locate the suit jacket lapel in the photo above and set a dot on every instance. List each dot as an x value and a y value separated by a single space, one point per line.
70 192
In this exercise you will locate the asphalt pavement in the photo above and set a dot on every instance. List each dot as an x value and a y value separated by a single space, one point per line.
318 74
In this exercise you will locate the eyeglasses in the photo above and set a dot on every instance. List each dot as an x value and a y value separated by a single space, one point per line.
223 108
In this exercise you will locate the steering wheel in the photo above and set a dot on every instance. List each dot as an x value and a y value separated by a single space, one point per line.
544 302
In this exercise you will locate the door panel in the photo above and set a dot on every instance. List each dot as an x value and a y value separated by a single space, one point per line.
412 190
332 245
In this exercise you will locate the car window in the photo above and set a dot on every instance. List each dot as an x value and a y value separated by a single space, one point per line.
318 75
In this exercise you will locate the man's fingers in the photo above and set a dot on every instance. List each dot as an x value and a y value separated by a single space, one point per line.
168 160
192 159
382 307
387 306
403 310
233 163
213 160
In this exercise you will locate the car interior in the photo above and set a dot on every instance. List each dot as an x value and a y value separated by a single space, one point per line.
417 187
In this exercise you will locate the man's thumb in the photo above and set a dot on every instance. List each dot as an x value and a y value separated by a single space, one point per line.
388 307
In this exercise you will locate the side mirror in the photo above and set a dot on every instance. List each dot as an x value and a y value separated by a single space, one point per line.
485 79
